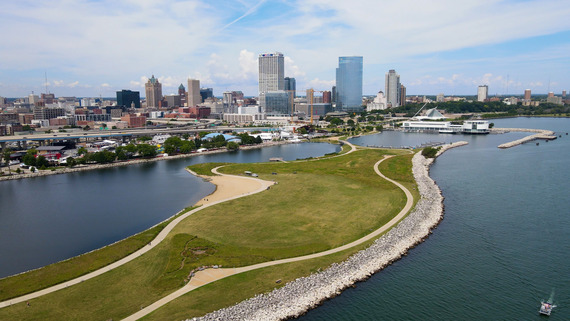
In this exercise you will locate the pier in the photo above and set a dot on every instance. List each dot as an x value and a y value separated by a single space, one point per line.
539 134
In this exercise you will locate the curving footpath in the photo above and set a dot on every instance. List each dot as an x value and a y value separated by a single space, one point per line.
159 238
211 275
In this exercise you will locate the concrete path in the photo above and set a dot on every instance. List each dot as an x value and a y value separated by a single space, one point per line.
211 275
161 236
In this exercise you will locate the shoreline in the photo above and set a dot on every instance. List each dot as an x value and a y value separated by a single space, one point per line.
134 161
299 296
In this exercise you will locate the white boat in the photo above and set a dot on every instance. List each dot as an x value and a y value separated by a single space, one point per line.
446 131
546 308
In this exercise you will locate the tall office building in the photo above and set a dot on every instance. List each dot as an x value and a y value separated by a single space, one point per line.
393 88
482 93
206 93
153 92
128 99
564 94
271 72
349 83
527 94
194 97
402 95
291 85
182 94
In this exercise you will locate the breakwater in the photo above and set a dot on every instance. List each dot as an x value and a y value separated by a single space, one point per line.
539 134
302 294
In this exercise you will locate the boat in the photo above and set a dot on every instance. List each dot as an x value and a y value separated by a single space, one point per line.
546 308
446 131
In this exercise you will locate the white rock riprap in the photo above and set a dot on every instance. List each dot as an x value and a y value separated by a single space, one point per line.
302 294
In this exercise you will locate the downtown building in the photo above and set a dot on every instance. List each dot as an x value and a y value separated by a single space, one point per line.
349 84
482 93
393 89
273 98
153 92
128 99
194 97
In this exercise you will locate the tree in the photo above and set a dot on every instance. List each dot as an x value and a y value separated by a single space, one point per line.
302 130
30 157
430 152
379 128
6 157
491 125
172 145
232 146
86 127
350 122
187 147
144 138
27 128
82 151
146 150
42 162
336 121
70 162
258 140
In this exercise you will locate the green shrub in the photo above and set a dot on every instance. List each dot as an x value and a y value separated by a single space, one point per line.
430 152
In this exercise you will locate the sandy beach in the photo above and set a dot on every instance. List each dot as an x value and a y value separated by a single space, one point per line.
229 186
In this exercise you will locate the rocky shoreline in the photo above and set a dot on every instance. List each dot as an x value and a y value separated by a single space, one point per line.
82 168
303 294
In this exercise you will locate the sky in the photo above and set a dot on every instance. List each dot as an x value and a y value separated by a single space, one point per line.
92 48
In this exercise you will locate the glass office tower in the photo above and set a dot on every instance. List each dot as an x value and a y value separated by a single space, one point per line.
349 84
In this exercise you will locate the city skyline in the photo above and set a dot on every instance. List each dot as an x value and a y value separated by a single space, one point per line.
436 47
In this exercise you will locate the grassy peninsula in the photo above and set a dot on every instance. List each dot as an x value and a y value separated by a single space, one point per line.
316 205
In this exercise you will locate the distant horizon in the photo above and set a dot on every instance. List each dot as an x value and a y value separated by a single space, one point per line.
363 95
94 48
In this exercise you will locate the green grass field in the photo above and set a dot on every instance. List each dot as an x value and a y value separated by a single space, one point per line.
316 205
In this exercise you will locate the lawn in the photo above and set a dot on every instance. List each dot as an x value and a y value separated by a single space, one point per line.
316 205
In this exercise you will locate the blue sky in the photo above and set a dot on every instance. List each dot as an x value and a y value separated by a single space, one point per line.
92 48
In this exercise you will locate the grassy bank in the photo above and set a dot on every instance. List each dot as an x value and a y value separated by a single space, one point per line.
316 205
59 272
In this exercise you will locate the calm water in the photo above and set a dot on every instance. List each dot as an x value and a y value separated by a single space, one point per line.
504 243
48 219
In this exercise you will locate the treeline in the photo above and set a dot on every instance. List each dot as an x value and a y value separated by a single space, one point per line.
458 107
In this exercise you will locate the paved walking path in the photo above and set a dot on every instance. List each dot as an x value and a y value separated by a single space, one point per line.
211 275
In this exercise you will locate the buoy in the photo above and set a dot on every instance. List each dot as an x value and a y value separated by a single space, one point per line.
537 144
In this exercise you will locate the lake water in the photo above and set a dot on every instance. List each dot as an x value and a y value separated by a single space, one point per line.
503 245
47 219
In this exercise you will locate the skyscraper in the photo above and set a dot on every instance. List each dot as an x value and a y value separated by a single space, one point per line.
291 85
153 92
194 97
482 93
402 95
271 72
393 88
349 83
182 94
